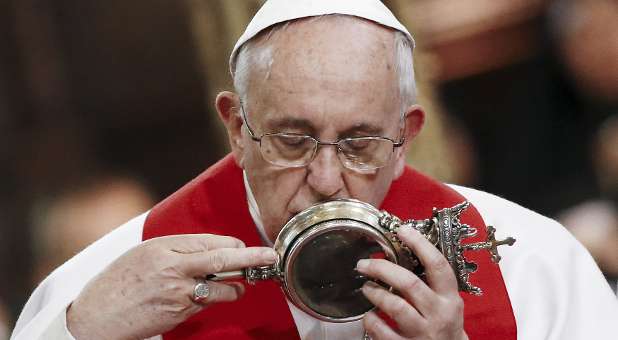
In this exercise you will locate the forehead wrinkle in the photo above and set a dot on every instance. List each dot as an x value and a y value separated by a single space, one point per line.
316 48
307 91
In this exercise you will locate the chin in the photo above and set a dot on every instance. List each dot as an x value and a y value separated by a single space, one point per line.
274 227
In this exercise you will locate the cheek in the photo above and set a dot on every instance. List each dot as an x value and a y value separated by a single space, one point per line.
250 156
273 188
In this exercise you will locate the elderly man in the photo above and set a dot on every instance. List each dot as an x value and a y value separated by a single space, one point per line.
324 109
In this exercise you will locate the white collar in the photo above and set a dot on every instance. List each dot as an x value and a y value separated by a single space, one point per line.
254 210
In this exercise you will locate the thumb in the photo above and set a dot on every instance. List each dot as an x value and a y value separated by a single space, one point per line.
196 243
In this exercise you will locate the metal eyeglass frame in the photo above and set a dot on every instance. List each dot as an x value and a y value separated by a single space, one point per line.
318 143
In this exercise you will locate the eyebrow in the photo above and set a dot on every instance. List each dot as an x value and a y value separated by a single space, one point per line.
281 124
365 129
290 123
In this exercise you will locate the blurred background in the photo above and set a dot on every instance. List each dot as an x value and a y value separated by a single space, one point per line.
106 108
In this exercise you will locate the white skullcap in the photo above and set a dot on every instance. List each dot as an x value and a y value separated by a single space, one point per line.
276 11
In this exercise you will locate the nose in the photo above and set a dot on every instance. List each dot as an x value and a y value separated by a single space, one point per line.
325 173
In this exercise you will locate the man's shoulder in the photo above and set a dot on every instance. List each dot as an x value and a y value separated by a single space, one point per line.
65 282
498 211
554 285
537 235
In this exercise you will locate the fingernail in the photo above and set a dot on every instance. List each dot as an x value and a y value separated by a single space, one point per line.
369 286
362 264
269 255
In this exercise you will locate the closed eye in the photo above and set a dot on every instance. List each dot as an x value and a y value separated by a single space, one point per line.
357 144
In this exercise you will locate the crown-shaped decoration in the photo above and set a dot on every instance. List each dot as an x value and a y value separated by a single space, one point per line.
445 231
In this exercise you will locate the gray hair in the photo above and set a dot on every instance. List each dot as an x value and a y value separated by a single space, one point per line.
257 53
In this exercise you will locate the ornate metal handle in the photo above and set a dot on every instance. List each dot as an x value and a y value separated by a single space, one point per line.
251 275
445 231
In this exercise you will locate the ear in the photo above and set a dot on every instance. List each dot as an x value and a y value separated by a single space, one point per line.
228 106
414 120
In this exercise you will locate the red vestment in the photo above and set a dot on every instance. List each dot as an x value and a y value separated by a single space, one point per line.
215 202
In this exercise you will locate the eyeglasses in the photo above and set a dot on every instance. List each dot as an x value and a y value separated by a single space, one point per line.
362 154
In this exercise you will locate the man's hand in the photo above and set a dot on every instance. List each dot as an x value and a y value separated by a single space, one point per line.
432 310
149 289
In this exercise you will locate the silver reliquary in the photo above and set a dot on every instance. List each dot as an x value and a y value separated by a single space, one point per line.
319 247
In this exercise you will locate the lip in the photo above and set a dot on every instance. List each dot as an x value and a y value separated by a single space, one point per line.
298 210
292 214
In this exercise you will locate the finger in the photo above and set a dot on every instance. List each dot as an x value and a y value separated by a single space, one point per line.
378 328
440 275
194 243
225 259
220 292
402 280
405 315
